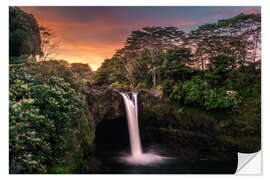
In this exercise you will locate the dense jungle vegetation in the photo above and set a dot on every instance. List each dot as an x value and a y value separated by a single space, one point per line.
216 67
48 114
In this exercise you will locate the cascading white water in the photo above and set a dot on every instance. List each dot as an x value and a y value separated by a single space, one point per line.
137 156
133 124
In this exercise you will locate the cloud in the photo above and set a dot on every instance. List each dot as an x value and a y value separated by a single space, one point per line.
91 34
251 10
185 22
224 11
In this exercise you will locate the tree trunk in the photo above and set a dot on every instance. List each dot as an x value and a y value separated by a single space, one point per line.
203 70
254 54
153 72
154 79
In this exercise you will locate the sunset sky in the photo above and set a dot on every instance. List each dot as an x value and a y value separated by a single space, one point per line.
92 34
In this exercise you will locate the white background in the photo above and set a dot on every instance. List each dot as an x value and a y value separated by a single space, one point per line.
4 79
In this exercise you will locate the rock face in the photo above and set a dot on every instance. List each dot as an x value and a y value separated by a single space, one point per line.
109 115
107 103
159 121
179 129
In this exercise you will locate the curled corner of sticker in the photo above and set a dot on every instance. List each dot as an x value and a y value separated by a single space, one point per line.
249 164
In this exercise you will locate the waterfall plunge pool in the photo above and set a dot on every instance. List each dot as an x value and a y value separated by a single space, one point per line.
123 163
122 151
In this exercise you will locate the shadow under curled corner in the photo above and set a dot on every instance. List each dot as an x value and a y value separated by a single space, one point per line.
249 163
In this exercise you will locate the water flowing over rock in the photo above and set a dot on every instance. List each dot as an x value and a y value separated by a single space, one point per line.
137 155
133 125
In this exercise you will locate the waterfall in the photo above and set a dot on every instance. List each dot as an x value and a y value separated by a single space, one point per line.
137 156
133 124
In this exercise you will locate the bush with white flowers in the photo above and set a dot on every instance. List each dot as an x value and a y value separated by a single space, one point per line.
42 115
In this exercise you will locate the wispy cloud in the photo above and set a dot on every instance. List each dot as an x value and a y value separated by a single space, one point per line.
223 12
91 34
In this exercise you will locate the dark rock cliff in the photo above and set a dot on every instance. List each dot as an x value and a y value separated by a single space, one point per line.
180 130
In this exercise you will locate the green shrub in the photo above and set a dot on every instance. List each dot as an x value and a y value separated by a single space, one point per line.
234 99
142 85
119 85
215 99
189 92
167 86
58 170
198 92
18 60
42 116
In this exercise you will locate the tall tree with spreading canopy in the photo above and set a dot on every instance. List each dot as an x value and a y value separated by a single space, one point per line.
154 40
238 36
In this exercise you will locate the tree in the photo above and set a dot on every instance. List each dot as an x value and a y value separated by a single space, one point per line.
124 67
134 64
80 68
24 34
49 42
218 69
82 71
154 40
238 36
177 63
110 71
246 27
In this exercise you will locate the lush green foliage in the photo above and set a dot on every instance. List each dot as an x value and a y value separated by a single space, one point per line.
43 116
215 66
199 93
24 34
218 69
222 69
49 120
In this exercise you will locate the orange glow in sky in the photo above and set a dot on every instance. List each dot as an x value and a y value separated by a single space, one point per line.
92 34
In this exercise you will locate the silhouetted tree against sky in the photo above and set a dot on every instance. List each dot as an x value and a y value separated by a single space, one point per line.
49 42
238 36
